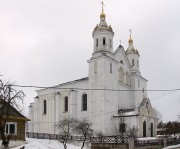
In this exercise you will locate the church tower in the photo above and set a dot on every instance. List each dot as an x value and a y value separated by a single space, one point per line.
103 35
133 56
101 67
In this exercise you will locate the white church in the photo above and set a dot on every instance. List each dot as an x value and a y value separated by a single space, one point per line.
114 89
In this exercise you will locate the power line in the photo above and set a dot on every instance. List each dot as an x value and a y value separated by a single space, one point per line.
70 88
163 95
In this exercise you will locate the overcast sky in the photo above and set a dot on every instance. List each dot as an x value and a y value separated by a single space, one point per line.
48 42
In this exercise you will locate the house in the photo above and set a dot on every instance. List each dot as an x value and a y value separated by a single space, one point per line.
113 89
15 124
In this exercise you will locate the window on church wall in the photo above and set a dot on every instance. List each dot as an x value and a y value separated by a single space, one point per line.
44 107
95 67
96 42
144 129
110 67
121 74
122 127
84 102
127 78
132 62
66 104
138 83
110 42
151 129
137 63
104 41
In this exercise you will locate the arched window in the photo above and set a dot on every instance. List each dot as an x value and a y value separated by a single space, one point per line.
137 63
151 129
144 129
44 107
104 41
66 104
96 42
138 83
127 78
84 102
110 42
95 67
110 67
121 74
132 62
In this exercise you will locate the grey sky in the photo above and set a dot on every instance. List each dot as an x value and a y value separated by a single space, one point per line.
48 42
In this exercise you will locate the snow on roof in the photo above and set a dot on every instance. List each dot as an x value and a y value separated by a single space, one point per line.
126 113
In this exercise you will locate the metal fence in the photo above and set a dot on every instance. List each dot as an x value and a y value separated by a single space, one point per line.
169 141
102 139
148 142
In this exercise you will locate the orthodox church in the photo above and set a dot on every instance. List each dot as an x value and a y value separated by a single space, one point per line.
114 90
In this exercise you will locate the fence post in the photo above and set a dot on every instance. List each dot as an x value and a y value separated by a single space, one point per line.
164 141
131 143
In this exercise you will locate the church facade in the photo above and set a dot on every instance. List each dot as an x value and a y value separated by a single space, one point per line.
113 91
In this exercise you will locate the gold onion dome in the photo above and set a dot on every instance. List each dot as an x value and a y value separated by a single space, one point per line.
130 40
102 15
131 48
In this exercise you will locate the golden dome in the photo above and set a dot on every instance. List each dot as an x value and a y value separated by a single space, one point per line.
130 40
102 15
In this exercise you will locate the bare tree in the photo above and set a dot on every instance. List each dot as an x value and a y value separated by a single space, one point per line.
83 128
123 126
9 97
159 116
100 135
132 131
66 127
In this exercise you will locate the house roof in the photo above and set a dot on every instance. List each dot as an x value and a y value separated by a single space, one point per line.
70 82
78 80
14 113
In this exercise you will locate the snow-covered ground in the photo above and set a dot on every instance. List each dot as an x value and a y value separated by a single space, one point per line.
147 138
53 144
172 147
45 144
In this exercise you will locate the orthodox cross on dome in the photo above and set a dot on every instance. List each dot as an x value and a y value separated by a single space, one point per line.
130 32
120 42
102 3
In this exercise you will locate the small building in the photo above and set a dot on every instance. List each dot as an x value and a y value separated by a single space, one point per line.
15 126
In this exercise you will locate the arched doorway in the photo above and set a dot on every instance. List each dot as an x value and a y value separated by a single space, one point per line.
144 129
151 129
